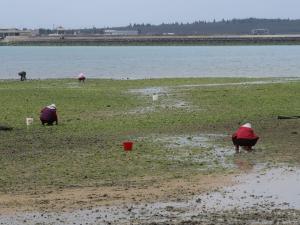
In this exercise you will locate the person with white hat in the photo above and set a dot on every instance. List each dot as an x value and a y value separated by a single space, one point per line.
244 137
81 77
48 115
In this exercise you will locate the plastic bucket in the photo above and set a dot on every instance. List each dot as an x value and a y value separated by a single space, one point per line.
29 121
155 97
127 145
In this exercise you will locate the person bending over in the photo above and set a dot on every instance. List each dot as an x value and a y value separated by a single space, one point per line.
22 75
81 78
244 137
48 115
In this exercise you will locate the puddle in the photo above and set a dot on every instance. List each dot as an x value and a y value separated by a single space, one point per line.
262 189
164 104
274 188
165 100
212 154
242 83
180 104
167 89
169 103
203 140
142 110
151 91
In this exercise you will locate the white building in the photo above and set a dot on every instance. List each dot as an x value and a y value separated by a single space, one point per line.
260 31
14 32
121 32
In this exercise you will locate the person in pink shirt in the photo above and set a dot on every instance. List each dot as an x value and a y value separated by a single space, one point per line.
244 137
48 115
81 77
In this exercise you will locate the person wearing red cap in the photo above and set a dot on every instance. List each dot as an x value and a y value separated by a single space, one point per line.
244 137
48 115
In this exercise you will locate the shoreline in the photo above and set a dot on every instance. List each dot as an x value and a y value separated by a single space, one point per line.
153 40
292 78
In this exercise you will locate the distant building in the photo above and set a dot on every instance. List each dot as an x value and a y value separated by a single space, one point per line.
60 30
260 31
121 32
15 32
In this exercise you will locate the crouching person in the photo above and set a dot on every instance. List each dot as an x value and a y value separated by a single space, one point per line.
48 115
244 137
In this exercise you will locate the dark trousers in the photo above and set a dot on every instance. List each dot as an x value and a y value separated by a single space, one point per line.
49 123
244 142
23 77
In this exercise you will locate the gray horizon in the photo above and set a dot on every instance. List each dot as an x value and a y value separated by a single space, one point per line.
112 13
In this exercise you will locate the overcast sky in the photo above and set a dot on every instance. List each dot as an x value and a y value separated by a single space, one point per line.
102 13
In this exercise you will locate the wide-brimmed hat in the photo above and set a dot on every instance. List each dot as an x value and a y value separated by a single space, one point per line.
247 125
52 106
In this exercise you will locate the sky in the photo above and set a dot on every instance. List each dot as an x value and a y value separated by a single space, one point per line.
109 13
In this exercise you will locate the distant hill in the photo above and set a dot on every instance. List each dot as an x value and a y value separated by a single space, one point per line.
231 27
223 27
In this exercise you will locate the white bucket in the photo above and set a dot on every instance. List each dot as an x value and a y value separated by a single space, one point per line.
29 121
155 97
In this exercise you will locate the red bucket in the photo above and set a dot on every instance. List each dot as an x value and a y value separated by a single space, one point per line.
127 145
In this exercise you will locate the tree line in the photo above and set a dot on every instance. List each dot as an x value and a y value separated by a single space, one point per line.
222 27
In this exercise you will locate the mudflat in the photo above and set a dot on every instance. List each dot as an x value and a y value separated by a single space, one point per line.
182 151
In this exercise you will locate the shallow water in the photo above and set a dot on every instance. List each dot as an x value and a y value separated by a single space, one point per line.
138 62
274 81
149 91
166 90
165 100
276 187
167 94
213 156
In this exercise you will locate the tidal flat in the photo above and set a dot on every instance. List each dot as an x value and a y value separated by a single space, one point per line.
182 151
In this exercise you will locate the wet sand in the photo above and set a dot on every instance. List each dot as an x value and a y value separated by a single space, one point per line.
258 190
268 191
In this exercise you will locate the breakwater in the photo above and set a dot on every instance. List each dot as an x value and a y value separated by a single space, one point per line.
154 40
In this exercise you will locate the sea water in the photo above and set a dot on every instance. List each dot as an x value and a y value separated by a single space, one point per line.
138 62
